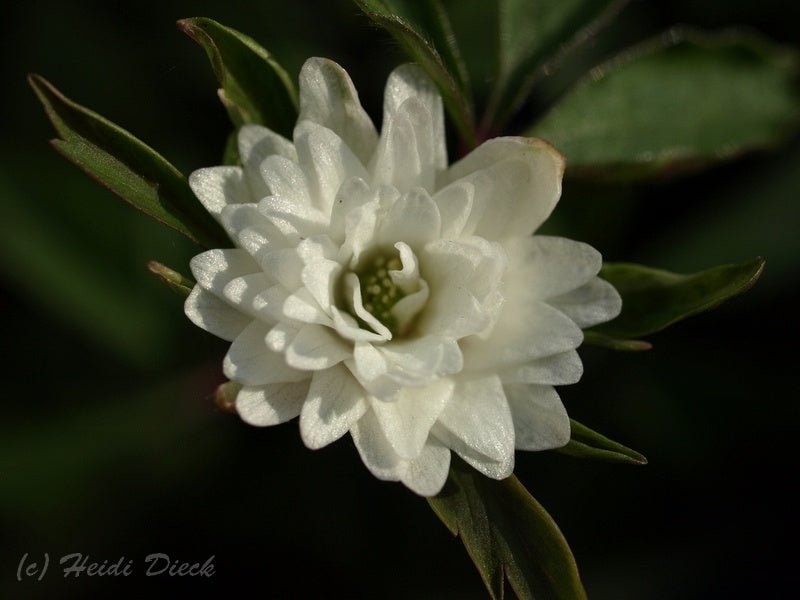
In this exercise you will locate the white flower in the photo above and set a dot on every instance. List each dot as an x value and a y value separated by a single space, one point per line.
375 290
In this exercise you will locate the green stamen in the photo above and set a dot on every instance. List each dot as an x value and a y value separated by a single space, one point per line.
379 293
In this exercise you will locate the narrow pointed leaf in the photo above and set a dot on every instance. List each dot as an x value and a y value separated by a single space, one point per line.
230 154
253 87
678 103
433 47
653 299
586 443
126 166
533 37
177 282
595 338
508 535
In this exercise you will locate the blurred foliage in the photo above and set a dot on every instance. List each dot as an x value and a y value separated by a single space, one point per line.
112 445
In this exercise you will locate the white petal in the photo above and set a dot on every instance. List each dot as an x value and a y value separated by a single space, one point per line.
271 404
284 266
207 311
320 277
595 302
315 248
547 266
414 219
348 328
472 263
217 187
301 306
559 369
405 156
353 294
214 269
316 347
523 333
255 144
329 98
540 419
407 308
369 362
360 226
420 360
478 421
277 304
286 180
526 173
427 473
407 420
455 207
335 402
407 277
280 336
254 232
408 81
454 313
242 292
375 450
353 193
250 362
294 221
327 162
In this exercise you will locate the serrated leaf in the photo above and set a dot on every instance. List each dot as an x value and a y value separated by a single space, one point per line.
508 535
653 299
254 88
433 47
586 443
674 104
177 282
126 166
533 37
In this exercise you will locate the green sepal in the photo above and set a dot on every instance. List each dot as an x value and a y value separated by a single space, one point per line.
586 443
225 396
126 166
653 299
177 282
508 535
254 88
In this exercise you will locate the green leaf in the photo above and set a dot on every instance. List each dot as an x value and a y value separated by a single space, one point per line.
429 41
585 443
126 166
677 103
507 534
653 299
254 87
178 283
230 154
595 338
533 37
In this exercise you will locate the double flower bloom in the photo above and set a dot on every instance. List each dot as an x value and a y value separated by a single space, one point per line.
374 290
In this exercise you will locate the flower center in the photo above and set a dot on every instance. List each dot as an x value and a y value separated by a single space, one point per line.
385 293
378 292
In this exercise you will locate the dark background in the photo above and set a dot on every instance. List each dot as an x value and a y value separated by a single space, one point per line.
109 445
